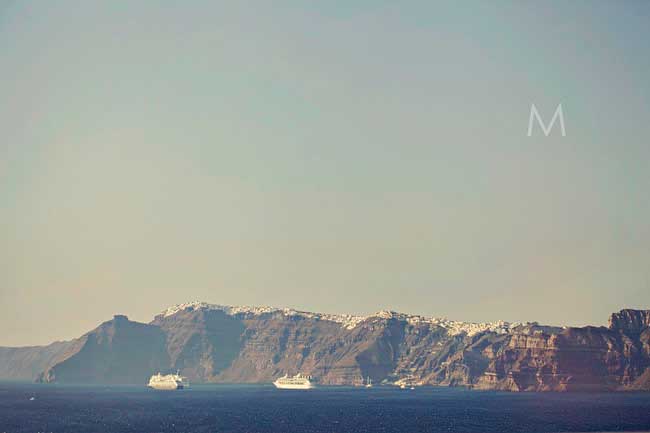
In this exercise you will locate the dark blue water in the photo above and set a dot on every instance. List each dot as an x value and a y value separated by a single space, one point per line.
222 408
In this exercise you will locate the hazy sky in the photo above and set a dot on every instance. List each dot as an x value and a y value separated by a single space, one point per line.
339 156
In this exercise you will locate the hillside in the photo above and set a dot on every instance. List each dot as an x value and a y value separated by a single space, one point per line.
212 343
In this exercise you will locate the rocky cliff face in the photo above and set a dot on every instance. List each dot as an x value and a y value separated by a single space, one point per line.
235 344
575 359
118 351
631 321
25 363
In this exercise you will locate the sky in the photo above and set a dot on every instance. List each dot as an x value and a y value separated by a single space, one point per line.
336 156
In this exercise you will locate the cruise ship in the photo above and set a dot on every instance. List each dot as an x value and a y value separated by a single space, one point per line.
295 382
168 381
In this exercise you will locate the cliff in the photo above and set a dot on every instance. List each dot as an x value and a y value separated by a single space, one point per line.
25 363
118 351
209 343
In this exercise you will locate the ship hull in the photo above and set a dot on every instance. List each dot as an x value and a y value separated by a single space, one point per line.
165 386
293 385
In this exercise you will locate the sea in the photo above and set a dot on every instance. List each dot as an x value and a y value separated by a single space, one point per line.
42 408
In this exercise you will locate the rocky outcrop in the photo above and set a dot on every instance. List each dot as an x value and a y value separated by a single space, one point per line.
118 351
630 321
238 345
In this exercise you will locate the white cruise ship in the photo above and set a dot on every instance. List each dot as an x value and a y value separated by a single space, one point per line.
168 381
295 382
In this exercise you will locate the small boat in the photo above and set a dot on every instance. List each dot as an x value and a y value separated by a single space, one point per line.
368 382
